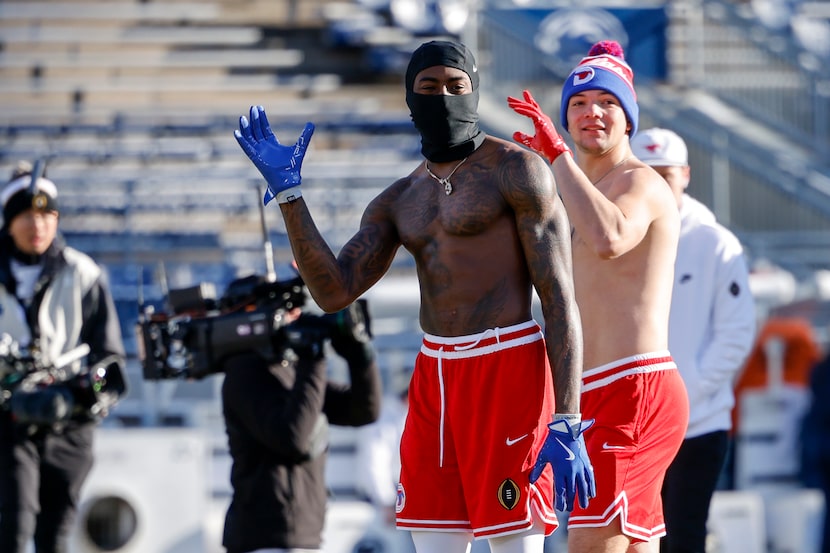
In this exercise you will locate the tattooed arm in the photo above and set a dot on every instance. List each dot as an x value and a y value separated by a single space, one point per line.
335 282
544 232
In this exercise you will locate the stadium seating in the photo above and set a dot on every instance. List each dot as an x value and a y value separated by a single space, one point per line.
134 102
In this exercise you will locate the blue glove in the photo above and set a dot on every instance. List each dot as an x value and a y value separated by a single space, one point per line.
280 165
573 475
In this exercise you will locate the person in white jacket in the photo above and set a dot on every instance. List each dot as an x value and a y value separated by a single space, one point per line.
711 331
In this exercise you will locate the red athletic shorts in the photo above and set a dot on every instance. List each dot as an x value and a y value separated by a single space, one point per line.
478 413
641 411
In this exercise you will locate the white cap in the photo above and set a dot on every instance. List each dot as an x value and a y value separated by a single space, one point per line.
660 148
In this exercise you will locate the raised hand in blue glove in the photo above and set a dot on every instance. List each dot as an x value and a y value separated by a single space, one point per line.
573 475
280 165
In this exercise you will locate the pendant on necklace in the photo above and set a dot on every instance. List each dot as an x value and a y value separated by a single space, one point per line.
447 186
446 180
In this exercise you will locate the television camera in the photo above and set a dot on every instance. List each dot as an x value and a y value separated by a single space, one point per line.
201 332
50 394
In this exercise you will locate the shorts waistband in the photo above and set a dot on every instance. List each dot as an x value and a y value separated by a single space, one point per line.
635 364
488 341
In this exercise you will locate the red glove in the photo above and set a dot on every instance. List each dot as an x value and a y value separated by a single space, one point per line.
547 141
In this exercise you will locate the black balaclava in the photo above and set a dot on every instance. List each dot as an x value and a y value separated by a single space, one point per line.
448 124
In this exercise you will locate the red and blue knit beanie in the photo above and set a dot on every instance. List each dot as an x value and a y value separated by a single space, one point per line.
604 68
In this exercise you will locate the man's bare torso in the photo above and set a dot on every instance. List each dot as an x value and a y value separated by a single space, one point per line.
624 302
472 271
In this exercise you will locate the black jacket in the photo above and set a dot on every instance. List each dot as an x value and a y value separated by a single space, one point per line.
276 419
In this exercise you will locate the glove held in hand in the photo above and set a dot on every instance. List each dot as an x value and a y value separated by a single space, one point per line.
564 449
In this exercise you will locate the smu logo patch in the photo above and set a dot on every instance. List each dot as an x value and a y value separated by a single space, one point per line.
400 503
582 76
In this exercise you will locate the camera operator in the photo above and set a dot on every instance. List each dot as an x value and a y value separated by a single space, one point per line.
54 303
277 414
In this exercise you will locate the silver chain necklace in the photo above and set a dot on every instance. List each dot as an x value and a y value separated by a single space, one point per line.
446 180
612 169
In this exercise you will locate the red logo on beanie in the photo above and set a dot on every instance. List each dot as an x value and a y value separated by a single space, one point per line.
583 76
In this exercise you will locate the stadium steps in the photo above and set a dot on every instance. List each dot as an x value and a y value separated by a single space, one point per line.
134 105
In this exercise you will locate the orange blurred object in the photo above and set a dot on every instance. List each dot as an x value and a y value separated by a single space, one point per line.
801 353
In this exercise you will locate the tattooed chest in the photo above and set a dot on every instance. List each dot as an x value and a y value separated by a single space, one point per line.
462 217
426 214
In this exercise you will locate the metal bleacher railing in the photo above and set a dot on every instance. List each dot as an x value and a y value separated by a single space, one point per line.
780 94
763 71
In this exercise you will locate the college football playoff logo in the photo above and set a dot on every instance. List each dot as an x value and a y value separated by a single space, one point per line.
509 494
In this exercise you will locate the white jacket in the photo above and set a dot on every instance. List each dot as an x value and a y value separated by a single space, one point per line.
713 321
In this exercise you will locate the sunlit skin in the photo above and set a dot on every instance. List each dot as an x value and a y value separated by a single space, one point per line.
33 231
624 233
597 123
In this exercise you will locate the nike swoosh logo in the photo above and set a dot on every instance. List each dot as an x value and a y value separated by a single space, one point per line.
510 442
606 446
571 455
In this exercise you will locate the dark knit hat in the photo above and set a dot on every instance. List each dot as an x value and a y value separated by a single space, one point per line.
603 69
19 195
442 52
